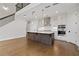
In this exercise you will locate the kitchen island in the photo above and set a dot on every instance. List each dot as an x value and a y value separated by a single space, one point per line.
42 37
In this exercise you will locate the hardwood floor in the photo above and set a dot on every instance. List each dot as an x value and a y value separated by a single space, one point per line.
24 47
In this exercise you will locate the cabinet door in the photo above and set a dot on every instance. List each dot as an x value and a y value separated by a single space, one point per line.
44 38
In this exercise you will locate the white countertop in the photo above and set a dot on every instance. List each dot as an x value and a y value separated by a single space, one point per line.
46 32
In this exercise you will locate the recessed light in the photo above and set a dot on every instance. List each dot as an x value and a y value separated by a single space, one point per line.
35 16
56 12
5 8
45 15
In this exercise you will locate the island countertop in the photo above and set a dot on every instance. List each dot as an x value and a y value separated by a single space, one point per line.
42 32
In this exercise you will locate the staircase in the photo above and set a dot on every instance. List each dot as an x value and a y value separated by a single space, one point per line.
7 19
10 27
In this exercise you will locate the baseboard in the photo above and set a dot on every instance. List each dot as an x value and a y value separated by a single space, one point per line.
12 38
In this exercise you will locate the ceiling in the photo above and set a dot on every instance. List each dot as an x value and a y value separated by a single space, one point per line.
47 9
7 9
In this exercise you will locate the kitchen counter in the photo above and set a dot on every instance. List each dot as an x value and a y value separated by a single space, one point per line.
42 37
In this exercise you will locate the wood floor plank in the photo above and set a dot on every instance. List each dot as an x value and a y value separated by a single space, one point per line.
24 47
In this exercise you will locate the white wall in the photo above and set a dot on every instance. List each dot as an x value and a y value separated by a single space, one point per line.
69 19
14 29
33 25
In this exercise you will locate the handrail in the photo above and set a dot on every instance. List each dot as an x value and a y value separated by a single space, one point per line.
13 13
7 16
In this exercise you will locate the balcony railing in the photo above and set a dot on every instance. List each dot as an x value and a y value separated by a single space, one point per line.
21 5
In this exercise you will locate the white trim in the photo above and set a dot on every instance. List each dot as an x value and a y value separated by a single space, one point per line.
12 38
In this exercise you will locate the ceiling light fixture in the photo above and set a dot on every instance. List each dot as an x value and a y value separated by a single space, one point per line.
5 8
